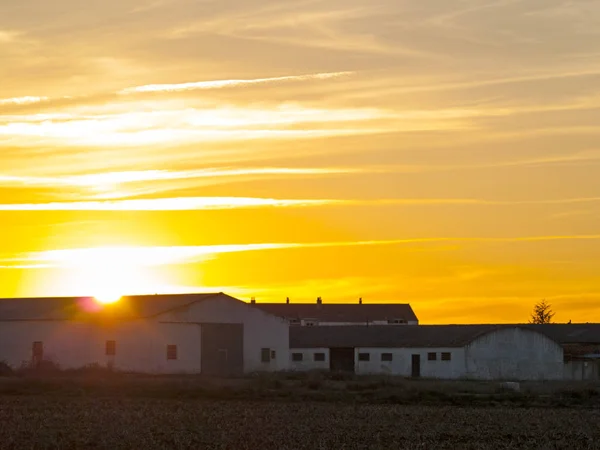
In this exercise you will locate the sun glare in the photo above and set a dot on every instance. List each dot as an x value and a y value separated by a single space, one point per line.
106 298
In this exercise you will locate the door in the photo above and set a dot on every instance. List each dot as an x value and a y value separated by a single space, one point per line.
416 366
222 349
341 359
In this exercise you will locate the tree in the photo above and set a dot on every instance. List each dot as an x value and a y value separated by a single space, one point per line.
542 313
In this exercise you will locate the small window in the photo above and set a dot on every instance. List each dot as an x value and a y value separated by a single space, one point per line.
387 357
171 352
319 356
111 348
294 321
446 356
364 357
297 357
265 355
273 354
38 350
432 356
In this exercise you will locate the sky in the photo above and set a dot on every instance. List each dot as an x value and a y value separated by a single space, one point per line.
444 154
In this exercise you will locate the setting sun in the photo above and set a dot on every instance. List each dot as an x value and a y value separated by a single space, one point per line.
106 298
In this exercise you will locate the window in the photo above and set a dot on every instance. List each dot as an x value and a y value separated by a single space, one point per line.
310 323
446 356
273 354
432 356
364 357
297 357
387 357
294 321
38 351
319 356
111 348
171 352
265 355
396 321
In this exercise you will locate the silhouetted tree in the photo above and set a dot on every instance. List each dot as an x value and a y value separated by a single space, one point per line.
542 313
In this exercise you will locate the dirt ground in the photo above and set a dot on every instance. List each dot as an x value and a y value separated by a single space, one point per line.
42 422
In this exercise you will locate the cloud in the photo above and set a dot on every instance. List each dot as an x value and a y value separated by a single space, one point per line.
22 100
110 203
220 84
165 204
169 255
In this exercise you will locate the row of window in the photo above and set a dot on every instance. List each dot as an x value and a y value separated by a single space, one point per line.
300 357
110 349
385 357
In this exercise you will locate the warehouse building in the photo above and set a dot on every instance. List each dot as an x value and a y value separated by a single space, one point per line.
211 334
327 314
481 352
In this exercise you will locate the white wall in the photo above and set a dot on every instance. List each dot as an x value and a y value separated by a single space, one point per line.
141 346
514 354
401 363
261 330
308 361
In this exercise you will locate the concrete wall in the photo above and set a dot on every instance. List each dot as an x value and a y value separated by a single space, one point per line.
261 330
308 361
141 346
514 354
401 363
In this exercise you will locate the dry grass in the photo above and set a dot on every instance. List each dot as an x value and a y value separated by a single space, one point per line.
40 422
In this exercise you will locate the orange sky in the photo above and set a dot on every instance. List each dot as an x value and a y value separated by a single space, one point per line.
439 153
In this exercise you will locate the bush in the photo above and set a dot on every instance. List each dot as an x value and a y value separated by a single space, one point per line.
6 370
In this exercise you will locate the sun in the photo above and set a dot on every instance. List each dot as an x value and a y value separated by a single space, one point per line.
107 298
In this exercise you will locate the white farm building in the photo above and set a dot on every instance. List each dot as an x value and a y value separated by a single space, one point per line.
212 334
479 352
218 335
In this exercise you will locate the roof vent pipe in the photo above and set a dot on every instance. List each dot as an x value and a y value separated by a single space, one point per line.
287 300
360 301
319 301
252 300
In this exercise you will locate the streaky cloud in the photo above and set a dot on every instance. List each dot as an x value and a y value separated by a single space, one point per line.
220 84
166 255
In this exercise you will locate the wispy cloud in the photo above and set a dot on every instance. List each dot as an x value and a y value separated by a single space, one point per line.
220 84
166 204
159 256
27 100
119 178
222 203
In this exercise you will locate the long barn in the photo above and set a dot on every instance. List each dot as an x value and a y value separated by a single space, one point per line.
484 352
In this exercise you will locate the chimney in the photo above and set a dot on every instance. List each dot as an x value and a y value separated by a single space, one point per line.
287 300
319 301
360 301
252 301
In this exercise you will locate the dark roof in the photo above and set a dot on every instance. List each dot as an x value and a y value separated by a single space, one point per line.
340 312
66 308
386 335
427 335
576 333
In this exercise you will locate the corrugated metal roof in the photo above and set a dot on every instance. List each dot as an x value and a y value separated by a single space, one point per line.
69 308
385 336
341 312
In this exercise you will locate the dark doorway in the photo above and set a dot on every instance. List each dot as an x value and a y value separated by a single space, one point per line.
341 359
222 347
416 366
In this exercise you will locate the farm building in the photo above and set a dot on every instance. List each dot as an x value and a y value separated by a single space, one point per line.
359 313
212 334
485 352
